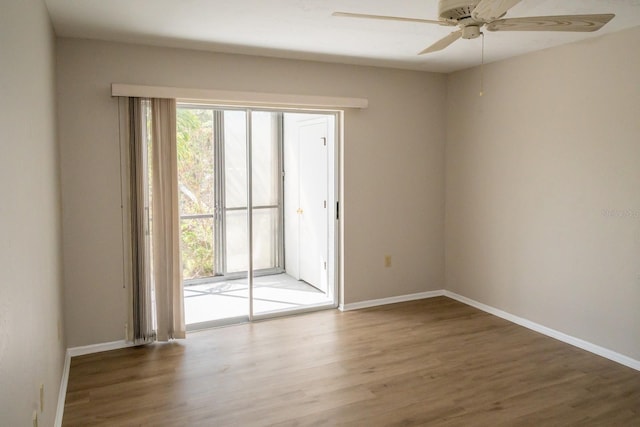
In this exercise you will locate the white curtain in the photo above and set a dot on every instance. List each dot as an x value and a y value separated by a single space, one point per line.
157 307
166 222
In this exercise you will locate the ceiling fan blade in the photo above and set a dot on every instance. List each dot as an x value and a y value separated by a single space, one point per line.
387 18
578 23
490 10
442 43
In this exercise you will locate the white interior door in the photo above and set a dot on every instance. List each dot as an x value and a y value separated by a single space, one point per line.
312 211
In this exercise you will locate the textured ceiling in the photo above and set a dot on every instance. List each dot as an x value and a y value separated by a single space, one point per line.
305 29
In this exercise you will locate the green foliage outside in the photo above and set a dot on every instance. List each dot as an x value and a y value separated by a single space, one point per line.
196 188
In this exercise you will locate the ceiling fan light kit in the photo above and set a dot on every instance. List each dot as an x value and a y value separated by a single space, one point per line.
471 15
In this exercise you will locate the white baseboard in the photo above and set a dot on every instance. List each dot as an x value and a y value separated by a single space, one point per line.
390 300
62 393
97 348
561 336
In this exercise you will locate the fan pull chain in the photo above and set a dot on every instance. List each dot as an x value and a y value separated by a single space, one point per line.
482 68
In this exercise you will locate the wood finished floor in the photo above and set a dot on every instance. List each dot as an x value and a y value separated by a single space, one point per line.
429 362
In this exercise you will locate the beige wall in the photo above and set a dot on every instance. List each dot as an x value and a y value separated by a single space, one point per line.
393 161
31 348
543 189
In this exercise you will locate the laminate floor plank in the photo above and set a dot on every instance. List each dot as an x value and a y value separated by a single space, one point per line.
428 362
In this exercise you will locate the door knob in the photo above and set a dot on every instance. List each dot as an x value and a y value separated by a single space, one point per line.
299 211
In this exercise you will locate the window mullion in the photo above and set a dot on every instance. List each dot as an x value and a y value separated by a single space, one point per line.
220 239
279 250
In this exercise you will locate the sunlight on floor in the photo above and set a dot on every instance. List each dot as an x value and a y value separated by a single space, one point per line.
221 300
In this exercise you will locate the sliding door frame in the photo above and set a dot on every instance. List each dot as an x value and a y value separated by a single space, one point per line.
333 212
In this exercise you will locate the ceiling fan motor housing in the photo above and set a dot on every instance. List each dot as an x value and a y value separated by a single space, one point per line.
471 32
456 10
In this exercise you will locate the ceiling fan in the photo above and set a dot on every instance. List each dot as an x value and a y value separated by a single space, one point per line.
471 15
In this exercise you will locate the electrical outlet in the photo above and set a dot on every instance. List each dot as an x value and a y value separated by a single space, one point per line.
41 397
387 260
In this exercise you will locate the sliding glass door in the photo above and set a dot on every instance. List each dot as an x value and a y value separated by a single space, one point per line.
308 206
197 195
233 176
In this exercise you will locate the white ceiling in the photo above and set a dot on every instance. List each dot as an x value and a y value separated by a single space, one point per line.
305 29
